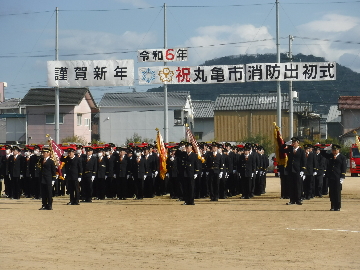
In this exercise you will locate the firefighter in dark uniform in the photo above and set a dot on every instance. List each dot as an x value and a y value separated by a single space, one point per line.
121 167
73 173
47 176
16 163
172 173
246 167
295 169
321 168
191 172
5 171
311 171
215 168
35 173
101 174
26 183
139 173
336 173
89 166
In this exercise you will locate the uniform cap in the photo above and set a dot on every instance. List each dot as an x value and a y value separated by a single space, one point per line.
45 150
335 147
295 139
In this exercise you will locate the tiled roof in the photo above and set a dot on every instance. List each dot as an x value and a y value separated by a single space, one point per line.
143 99
244 102
10 103
349 102
46 96
203 108
334 114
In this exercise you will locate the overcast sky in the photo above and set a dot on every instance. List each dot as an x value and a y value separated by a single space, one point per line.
116 29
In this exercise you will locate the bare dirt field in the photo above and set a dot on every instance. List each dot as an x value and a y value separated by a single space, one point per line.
159 233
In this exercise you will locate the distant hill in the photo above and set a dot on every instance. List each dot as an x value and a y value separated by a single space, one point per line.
321 94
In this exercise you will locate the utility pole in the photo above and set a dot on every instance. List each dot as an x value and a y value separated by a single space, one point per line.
57 94
291 105
278 61
166 124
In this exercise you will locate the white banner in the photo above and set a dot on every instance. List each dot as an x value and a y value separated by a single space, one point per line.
163 55
302 71
191 75
82 73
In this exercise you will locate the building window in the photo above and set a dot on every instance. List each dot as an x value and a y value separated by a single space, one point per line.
88 123
79 116
198 135
50 119
178 121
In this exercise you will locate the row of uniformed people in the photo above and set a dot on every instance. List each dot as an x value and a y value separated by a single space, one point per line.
222 171
311 171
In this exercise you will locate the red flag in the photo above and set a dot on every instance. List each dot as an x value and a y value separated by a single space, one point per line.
281 158
56 153
162 154
192 140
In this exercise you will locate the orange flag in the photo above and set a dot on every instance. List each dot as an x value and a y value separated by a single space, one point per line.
162 154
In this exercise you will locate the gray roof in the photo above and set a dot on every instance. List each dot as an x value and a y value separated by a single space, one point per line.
143 99
334 114
10 103
67 96
203 108
268 101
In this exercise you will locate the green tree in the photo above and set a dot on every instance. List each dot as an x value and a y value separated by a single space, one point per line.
264 141
74 139
136 138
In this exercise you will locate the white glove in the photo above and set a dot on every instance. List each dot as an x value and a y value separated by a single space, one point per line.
202 173
153 175
114 175
304 178
328 147
207 173
92 178
106 177
195 176
315 173
144 177
79 179
2 179
279 174
226 175
9 176
30 176
239 174
289 142
342 180
261 173
156 173
324 174
256 172
301 174
252 175
127 177
167 175
52 183
220 175
64 175
21 176
234 171
57 176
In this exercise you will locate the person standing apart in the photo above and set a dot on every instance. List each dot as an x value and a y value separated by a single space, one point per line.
47 176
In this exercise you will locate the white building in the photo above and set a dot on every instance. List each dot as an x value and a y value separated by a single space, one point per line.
204 120
124 114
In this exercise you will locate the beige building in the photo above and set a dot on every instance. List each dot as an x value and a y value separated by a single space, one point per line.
238 116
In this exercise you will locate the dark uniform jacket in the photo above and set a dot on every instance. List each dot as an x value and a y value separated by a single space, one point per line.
321 163
214 163
73 168
34 168
101 167
122 166
311 164
171 166
247 165
48 171
139 167
191 165
336 167
89 166
296 162
16 165
5 166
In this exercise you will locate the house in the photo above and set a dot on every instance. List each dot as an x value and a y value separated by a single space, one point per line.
333 122
350 117
12 122
204 120
75 108
240 116
350 112
124 114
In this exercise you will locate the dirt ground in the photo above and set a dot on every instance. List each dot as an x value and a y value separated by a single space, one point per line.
159 233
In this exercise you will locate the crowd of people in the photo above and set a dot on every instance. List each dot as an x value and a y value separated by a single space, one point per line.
216 171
